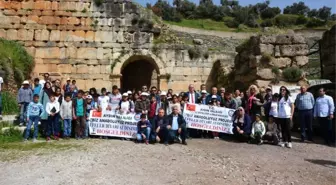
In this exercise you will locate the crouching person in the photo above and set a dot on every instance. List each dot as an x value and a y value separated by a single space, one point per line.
35 110
258 130
176 126
271 132
241 125
159 125
144 129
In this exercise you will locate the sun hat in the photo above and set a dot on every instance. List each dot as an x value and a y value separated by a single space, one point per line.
203 91
89 97
213 97
144 94
125 94
129 92
26 82
163 93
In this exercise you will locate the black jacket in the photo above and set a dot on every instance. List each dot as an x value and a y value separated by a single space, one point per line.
159 122
180 120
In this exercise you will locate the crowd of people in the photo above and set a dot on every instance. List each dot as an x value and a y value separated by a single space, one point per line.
258 117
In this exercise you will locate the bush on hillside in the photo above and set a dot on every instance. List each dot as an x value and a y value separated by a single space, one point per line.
315 22
301 20
230 22
267 23
9 104
292 74
286 20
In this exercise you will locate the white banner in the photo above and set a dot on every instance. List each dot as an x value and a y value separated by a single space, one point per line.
205 117
107 123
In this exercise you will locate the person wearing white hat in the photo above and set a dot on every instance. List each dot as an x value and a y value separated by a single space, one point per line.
213 93
162 103
66 87
24 97
142 106
202 98
125 106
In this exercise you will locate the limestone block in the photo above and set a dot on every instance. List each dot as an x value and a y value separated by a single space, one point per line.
42 35
32 19
71 52
93 69
24 34
63 53
42 5
41 68
262 83
265 49
55 35
119 36
87 53
265 74
82 69
3 33
27 5
104 53
105 69
30 50
48 12
54 5
277 51
73 21
298 39
49 20
267 39
90 36
254 61
301 60
12 34
49 52
67 36
78 35
281 62
283 39
64 68
294 50
51 61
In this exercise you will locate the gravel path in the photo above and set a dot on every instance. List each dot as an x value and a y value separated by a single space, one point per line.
201 162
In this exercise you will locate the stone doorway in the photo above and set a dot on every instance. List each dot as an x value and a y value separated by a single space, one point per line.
137 73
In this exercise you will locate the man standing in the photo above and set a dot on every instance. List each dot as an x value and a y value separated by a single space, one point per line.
213 92
229 102
144 88
163 102
222 90
324 112
192 94
154 93
46 79
238 98
159 125
202 99
1 82
305 104
177 126
25 96
66 87
267 102
115 98
37 86
142 107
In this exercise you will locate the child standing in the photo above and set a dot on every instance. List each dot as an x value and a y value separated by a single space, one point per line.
258 130
35 110
78 111
52 109
144 128
90 105
272 132
66 115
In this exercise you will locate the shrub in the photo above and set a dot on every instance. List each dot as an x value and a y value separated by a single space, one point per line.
194 53
266 58
242 28
98 2
267 23
10 135
301 20
292 74
84 10
230 22
9 104
206 55
314 22
150 24
275 70
285 20
134 21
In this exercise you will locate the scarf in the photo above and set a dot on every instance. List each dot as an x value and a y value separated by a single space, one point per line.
249 103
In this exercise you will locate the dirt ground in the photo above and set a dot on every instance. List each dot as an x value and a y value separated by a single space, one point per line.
203 161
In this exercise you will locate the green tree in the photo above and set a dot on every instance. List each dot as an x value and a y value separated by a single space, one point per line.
324 13
297 8
313 13
270 12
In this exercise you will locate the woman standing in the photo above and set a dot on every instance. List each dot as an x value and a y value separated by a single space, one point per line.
285 115
45 93
254 102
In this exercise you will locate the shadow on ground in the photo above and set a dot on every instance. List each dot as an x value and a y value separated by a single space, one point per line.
326 163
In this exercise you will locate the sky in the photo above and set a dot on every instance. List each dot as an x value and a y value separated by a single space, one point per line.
279 3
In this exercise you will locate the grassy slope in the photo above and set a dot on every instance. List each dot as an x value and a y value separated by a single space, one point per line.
208 24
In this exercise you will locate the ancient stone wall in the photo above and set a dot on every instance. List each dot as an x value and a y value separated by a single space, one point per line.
328 54
77 39
261 55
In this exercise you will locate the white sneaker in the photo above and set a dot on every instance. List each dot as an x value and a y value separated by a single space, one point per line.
21 124
282 144
179 139
34 140
289 145
25 140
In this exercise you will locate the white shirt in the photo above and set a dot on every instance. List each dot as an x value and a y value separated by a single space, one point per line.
124 107
274 109
1 82
42 82
51 105
285 108
103 102
114 100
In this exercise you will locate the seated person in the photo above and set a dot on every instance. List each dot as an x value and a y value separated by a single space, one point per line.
241 125
159 125
176 126
144 128
272 132
258 130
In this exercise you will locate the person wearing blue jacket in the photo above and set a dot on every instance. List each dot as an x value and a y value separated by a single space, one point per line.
192 95
213 92
241 125
34 112
144 129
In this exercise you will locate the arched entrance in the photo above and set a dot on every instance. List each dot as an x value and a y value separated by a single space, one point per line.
138 71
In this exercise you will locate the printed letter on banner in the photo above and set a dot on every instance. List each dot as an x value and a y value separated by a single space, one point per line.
108 123
205 117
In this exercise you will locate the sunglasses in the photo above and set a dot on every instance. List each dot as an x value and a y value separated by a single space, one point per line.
283 89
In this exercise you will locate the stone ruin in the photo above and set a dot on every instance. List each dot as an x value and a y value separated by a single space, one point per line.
101 46
261 55
328 54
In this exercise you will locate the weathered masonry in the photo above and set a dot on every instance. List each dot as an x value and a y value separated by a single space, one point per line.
101 46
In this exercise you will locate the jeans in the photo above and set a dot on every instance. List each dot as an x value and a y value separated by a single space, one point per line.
23 112
67 127
285 129
271 136
256 138
32 120
172 134
148 131
306 119
80 126
326 127
86 133
163 135
53 126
